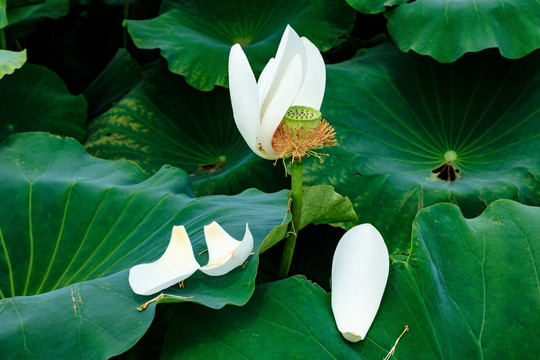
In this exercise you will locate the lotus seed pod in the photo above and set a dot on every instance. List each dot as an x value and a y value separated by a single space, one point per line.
302 117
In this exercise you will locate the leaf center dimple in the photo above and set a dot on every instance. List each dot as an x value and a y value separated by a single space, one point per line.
217 165
450 156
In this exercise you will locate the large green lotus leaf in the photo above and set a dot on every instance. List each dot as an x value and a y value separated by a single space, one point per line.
35 99
95 319
287 319
196 36
70 227
29 12
11 61
446 30
398 116
469 290
165 121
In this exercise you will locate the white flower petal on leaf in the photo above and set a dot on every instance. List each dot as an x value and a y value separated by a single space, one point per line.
176 264
224 252
296 76
359 274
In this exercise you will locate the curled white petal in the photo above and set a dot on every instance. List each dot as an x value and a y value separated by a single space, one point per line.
224 252
176 264
359 274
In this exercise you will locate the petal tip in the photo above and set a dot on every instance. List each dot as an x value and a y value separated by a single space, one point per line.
352 336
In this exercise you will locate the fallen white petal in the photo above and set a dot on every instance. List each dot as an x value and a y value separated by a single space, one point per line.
312 91
224 252
359 274
176 264
244 98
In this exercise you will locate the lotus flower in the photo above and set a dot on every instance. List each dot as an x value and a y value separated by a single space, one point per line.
359 275
178 261
296 76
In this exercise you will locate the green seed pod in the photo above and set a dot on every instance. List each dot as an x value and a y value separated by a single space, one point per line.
302 117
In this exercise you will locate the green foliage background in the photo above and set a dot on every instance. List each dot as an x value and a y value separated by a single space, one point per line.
116 124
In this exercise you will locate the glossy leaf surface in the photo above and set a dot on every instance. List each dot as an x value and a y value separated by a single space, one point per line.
70 227
446 30
400 117
468 290
196 36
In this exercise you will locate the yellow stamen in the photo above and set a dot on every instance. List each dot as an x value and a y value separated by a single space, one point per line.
292 142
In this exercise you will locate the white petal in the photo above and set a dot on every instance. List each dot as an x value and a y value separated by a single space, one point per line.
265 80
224 252
176 264
359 275
244 97
312 91
285 81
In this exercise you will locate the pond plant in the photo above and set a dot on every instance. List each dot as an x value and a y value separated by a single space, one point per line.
320 179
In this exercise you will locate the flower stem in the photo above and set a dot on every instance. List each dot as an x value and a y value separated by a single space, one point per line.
297 169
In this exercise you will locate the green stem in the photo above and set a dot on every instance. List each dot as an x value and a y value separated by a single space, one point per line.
3 44
297 168
124 26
